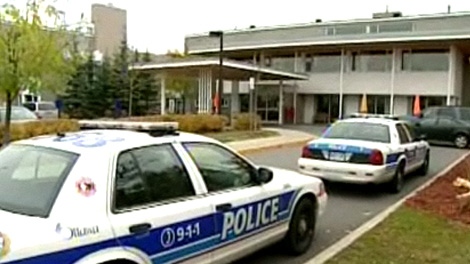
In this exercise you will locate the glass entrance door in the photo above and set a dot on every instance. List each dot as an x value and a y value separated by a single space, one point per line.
327 108
268 104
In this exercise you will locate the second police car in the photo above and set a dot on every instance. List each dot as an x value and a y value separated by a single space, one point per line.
366 149
150 195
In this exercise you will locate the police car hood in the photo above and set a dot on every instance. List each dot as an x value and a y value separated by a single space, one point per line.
342 144
20 231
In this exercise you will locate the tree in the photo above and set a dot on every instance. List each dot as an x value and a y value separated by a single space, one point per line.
120 76
146 85
31 55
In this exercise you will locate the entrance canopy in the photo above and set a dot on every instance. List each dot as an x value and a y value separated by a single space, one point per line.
232 70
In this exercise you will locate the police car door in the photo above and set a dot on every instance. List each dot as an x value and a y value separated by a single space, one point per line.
244 210
156 207
408 147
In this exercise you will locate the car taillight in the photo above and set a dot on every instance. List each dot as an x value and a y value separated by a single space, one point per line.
306 153
376 157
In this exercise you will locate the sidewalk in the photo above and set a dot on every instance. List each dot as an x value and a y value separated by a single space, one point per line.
286 138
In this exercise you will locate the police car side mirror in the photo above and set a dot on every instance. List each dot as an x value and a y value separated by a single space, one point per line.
264 175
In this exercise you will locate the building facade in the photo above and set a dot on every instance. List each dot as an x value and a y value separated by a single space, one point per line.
389 59
110 28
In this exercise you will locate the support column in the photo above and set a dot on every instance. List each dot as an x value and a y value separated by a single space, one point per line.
235 99
295 105
341 75
163 95
392 81
205 91
281 103
451 74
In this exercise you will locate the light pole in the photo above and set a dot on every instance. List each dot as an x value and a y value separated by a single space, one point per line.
219 34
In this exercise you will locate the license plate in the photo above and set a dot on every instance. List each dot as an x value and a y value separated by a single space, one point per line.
337 156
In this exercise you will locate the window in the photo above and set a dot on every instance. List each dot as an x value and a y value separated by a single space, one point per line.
283 63
220 168
378 104
326 63
411 130
350 29
149 175
425 61
372 61
396 27
30 106
446 112
46 106
402 134
359 131
446 122
430 113
464 114
31 178
18 113
308 64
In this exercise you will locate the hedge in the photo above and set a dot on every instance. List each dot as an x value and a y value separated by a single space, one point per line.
242 121
189 123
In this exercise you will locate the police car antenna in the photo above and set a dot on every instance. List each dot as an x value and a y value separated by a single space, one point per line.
154 129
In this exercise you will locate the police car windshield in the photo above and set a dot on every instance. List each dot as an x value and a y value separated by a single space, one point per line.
359 131
31 178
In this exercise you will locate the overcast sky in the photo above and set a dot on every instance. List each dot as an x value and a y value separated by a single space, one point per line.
160 25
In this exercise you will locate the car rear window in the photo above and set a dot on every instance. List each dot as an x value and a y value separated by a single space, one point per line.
31 178
358 131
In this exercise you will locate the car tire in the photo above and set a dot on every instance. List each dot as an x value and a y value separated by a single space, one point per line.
396 184
461 141
301 231
423 170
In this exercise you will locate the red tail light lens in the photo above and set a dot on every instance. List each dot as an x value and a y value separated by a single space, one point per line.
306 153
376 157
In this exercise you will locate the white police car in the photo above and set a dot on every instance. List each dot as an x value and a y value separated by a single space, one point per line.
151 195
366 149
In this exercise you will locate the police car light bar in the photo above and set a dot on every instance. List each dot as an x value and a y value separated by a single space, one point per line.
362 115
151 127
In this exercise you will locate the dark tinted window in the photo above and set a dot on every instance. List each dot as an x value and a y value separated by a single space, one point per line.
30 106
359 131
464 113
31 178
430 112
446 112
150 175
220 168
402 134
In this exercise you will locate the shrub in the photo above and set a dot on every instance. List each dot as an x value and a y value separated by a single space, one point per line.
242 121
26 130
201 123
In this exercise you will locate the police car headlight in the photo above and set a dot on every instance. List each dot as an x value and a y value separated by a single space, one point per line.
4 245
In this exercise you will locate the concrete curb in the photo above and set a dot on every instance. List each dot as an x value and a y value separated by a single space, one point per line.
290 143
346 241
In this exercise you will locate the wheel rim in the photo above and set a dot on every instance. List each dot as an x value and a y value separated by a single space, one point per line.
304 227
461 141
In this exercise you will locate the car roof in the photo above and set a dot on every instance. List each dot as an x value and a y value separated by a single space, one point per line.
108 141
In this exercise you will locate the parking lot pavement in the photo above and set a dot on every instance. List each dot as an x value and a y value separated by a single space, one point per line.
349 206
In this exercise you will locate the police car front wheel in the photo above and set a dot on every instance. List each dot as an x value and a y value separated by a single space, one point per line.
301 228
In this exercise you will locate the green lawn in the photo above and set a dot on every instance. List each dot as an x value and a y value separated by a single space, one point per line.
229 136
410 237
